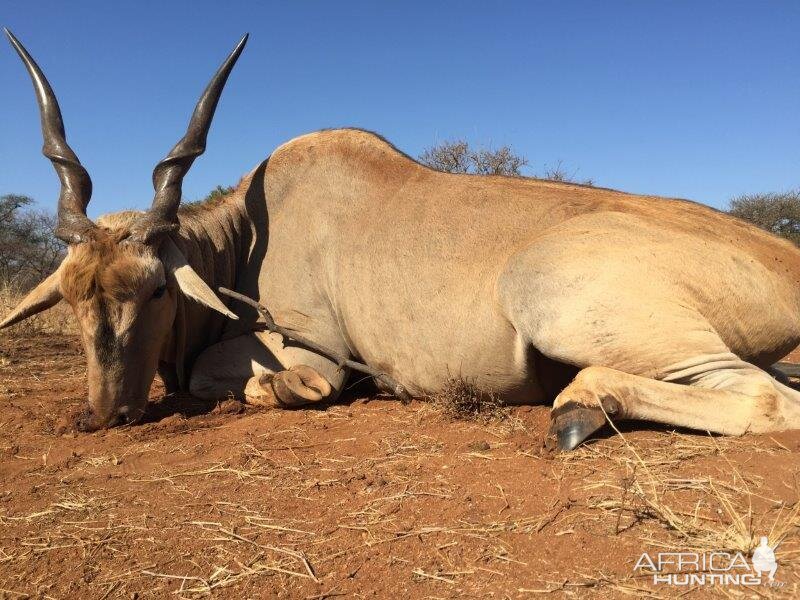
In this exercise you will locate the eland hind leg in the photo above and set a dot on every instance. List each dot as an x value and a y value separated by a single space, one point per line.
673 369
716 393
594 297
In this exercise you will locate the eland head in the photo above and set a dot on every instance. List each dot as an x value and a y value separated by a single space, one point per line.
122 275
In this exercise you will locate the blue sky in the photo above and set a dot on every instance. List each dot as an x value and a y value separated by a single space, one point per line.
689 99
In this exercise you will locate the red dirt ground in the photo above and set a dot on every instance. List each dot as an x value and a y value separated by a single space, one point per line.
365 498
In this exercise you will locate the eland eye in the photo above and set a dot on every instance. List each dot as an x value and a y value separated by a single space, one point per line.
159 291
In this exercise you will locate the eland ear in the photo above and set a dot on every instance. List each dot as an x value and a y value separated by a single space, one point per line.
189 282
45 295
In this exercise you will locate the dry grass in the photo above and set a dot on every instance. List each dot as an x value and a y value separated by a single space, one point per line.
679 493
463 400
724 511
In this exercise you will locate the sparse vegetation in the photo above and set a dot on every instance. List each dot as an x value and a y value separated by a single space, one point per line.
777 212
649 487
218 192
463 400
557 172
457 156
28 249
29 252
724 518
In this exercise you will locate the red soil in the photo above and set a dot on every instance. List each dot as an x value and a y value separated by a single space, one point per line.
363 498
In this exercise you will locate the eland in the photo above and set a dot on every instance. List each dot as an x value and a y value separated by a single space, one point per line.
609 304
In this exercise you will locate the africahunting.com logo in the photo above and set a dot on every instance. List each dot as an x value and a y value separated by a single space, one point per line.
712 568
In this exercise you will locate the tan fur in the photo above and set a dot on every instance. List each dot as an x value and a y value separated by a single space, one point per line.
106 268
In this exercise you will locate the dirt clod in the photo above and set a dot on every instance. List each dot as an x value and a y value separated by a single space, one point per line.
479 446
228 407
73 420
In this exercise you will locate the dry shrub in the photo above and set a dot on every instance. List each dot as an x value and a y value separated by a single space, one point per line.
463 400
58 319
776 212
458 157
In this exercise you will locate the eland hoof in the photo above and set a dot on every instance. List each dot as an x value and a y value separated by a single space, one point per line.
298 386
571 425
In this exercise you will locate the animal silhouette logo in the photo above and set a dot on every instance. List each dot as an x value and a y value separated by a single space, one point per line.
764 559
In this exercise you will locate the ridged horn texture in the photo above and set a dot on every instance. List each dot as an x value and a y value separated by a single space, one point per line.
169 173
76 186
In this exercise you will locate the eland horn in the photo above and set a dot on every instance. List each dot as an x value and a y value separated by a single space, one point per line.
169 173
76 186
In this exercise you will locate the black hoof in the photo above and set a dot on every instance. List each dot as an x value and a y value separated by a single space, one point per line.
571 425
